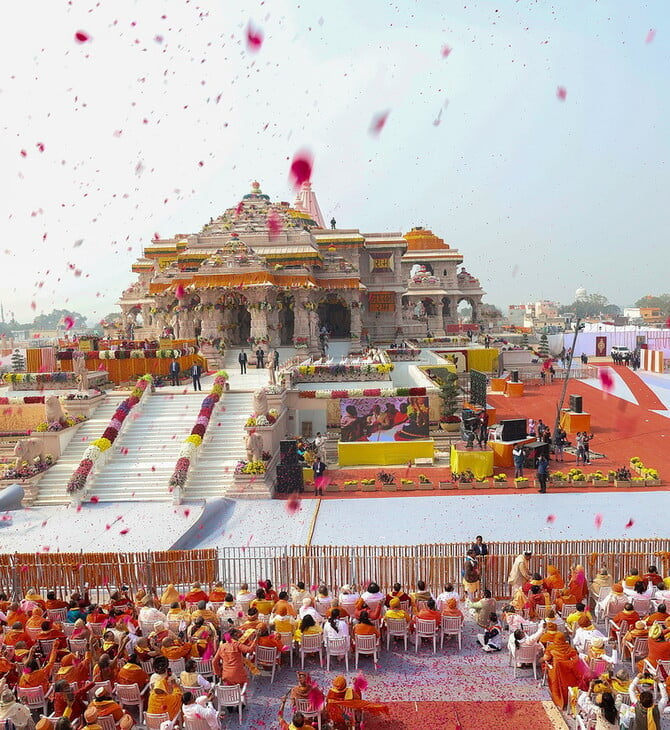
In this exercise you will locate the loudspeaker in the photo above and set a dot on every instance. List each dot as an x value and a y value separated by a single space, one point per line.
514 376
289 478
511 430
533 452
576 403
288 451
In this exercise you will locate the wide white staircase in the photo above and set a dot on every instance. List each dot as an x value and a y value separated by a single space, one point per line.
146 453
53 483
212 473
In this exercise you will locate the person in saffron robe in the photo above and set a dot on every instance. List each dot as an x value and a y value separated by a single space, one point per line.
566 670
16 634
33 676
196 594
629 615
340 697
565 598
35 597
554 580
74 670
297 721
132 673
451 609
16 615
536 597
201 635
173 649
365 627
228 662
170 595
282 603
270 640
577 584
68 703
104 670
164 695
602 580
307 626
36 619
53 603
106 706
218 593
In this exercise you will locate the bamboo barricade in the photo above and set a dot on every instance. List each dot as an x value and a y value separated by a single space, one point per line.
437 564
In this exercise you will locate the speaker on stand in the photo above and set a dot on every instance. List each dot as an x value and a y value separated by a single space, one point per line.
576 403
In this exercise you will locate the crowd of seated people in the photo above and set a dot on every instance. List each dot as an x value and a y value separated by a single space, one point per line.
174 646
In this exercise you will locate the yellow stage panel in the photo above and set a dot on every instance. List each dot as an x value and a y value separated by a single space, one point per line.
383 453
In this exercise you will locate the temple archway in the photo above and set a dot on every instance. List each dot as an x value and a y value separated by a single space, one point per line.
335 316
236 318
286 318
466 310
446 308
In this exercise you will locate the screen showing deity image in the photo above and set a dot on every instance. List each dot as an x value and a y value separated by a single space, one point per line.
402 418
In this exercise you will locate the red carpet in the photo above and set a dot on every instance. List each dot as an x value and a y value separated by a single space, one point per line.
621 429
463 716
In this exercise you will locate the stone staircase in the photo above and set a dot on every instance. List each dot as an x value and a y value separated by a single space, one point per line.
51 487
212 474
146 453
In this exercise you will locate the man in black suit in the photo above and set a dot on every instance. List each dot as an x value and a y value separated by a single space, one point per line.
260 358
242 359
174 371
480 548
196 372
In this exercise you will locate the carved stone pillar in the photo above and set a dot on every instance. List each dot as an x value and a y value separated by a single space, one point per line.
209 326
259 323
301 319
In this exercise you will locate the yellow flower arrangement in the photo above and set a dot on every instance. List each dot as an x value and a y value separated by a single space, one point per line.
194 439
367 482
102 443
254 467
500 477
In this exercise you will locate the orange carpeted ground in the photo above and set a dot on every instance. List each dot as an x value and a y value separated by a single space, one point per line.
463 716
621 430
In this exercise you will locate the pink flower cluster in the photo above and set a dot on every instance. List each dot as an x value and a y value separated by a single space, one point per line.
80 475
180 473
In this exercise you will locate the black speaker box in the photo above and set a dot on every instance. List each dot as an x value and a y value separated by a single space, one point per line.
288 451
576 403
289 478
512 429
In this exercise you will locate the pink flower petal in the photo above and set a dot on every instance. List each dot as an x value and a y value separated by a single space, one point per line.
95 500
179 291
274 225
551 519
68 322
650 36
598 521
124 531
293 504
446 50
254 38
301 168
606 379
561 93
630 523
378 122
81 36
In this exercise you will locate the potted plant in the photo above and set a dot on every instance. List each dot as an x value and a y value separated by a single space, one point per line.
636 464
598 479
368 485
450 484
558 479
387 480
500 481
351 485
464 479
651 477
448 393
521 482
481 483
407 484
622 478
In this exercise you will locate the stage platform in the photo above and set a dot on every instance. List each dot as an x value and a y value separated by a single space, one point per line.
479 462
502 451
572 422
383 453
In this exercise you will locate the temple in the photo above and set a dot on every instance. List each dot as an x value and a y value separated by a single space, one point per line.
269 272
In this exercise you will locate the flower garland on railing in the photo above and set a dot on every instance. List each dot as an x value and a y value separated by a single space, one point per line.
193 441
96 448
39 378
361 392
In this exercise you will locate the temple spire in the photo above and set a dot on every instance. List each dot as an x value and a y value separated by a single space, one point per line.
307 202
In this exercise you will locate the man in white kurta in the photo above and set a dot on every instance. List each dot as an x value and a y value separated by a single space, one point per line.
520 572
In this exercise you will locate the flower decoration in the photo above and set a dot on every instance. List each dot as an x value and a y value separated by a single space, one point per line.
193 442
94 450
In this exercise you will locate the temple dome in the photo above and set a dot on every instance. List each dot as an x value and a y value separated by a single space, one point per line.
423 239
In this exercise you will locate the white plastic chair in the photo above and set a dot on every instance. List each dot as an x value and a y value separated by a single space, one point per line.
106 722
146 627
230 695
57 614
97 629
33 698
154 721
367 645
107 686
638 648
526 655
129 695
67 628
197 691
322 607
339 646
78 646
451 626
46 645
266 658
177 666
425 629
620 632
662 668
641 604
311 644
308 710
406 606
397 628
567 609
204 668
287 640
148 666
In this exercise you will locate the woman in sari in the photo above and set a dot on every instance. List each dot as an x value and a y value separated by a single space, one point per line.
565 670
340 697
578 584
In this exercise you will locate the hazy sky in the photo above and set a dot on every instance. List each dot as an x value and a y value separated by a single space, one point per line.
164 117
